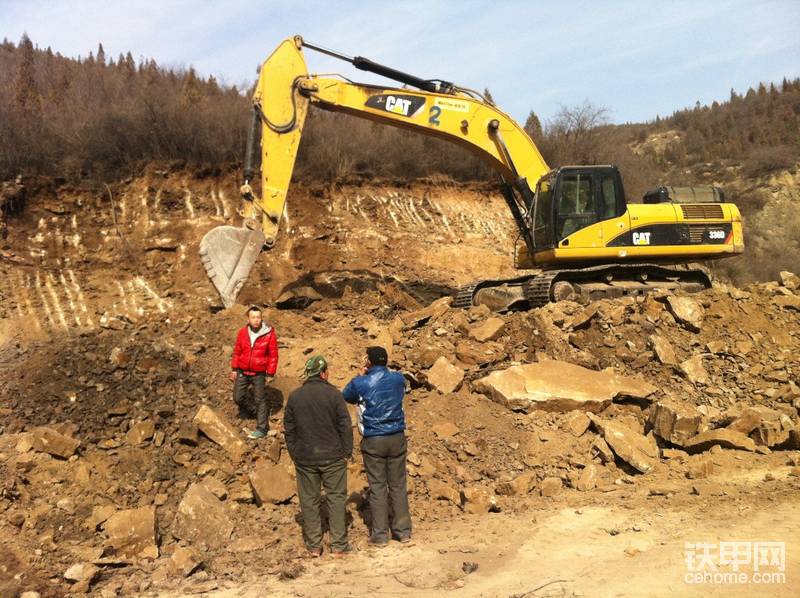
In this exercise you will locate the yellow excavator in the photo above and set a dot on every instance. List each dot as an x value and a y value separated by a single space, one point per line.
579 234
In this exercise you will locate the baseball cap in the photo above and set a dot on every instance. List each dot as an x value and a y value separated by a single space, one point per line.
315 366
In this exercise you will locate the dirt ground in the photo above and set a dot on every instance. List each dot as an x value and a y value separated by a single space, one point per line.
112 342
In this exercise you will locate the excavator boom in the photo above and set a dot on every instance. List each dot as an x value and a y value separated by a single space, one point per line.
280 103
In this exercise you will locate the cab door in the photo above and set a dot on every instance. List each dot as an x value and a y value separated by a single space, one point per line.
615 220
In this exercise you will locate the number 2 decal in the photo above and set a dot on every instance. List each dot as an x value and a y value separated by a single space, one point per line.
433 116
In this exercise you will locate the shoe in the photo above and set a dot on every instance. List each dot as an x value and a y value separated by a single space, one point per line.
313 553
377 543
343 552
256 435
402 539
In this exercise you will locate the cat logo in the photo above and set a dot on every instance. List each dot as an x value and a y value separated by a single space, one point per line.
398 105
641 238
404 105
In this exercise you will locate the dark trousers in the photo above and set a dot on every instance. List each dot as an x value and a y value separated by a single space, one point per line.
385 464
332 477
258 404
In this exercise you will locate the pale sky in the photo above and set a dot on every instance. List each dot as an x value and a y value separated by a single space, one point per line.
635 58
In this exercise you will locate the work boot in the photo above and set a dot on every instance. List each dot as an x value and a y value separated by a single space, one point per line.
313 553
339 553
377 542
256 435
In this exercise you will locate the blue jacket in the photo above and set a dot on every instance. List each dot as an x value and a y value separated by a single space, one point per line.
380 391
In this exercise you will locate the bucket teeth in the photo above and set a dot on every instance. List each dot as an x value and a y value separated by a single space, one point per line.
228 254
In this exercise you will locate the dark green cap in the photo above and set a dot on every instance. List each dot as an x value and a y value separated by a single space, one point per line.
315 366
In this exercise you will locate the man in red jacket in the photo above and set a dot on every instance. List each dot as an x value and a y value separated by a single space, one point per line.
255 359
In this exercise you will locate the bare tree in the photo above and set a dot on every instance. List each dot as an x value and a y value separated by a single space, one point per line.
573 136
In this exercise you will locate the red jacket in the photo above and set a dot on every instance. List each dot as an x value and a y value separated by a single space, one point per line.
261 356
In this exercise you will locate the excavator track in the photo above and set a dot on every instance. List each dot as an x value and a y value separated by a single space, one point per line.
593 282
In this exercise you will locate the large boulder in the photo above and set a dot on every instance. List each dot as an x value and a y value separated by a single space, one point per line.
132 533
202 519
694 370
48 440
488 330
663 350
638 451
687 311
218 429
720 437
444 376
559 386
675 422
272 484
141 432
790 280
427 314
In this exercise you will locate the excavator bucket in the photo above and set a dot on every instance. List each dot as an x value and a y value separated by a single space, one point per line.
228 254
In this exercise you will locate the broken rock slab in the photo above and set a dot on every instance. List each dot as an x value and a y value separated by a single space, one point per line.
675 422
489 330
183 561
559 386
430 313
578 423
438 490
519 486
700 466
132 533
638 451
83 575
47 440
202 519
551 486
272 484
444 376
749 419
687 311
445 430
140 432
587 479
772 432
788 302
694 371
790 280
723 437
663 350
396 296
218 429
478 499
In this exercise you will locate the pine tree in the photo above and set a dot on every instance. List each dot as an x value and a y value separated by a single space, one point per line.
27 93
533 126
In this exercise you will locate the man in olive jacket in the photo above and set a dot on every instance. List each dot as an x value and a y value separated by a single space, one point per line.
319 437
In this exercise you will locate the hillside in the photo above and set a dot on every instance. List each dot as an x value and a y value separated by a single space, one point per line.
114 353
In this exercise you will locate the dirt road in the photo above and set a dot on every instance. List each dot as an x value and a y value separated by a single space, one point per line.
583 551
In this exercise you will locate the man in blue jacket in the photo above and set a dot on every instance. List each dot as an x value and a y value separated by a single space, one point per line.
379 394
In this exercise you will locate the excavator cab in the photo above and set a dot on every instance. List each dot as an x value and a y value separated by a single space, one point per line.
572 198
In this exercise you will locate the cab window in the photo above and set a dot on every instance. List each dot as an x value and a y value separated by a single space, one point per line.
576 204
608 189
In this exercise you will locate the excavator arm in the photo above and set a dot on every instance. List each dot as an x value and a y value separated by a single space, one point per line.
283 94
